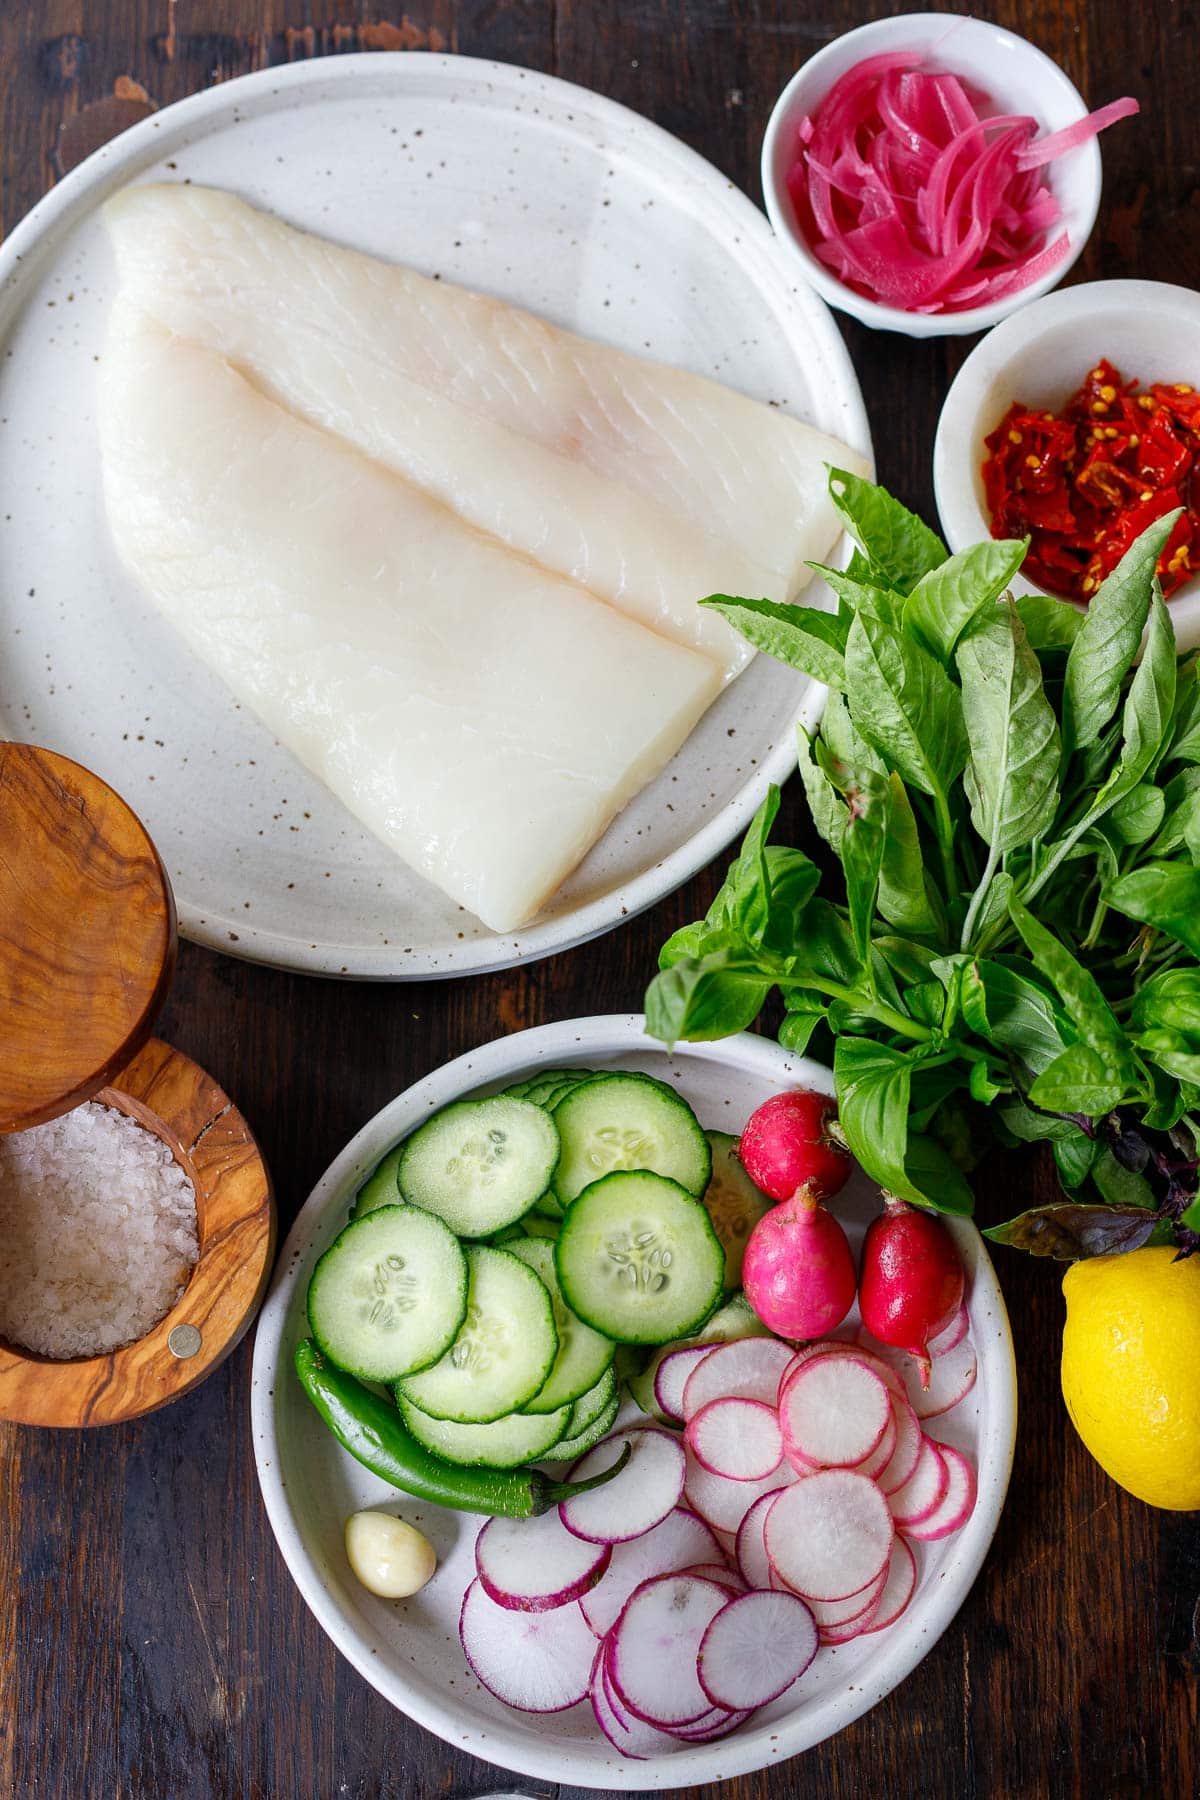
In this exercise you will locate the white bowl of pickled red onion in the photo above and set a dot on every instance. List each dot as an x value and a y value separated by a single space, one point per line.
932 173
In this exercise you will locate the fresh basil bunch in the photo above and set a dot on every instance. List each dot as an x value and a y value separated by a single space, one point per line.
1014 796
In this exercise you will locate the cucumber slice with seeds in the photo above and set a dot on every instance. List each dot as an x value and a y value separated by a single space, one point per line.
381 1188
390 1294
503 1444
551 1084
638 1259
619 1121
480 1164
504 1350
583 1354
732 1202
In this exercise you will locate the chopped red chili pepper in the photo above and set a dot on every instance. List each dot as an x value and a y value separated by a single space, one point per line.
1085 481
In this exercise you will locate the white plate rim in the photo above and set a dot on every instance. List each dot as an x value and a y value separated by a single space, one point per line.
567 1043
147 142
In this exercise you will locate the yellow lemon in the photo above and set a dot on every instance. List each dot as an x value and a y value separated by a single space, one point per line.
1131 1370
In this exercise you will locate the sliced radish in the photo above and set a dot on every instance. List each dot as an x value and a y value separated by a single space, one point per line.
536 1661
671 1376
751 1550
957 1504
755 1648
747 1369
718 1724
725 1503
721 1573
953 1335
924 1490
654 1645
834 1412
640 1497
831 1615
952 1376
885 1449
679 1541
898 1589
737 1438
909 1438
830 1534
843 1634
535 1565
632 1737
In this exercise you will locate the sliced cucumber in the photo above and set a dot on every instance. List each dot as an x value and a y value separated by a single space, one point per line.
638 1259
503 1444
480 1164
583 1354
589 1406
381 1188
547 1206
628 1122
732 1202
569 1449
534 1225
389 1295
504 1351
549 1086
735 1319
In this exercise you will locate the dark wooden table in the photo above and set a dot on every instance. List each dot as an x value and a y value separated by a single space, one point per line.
152 1646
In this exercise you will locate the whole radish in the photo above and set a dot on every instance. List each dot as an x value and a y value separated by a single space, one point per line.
787 1145
798 1273
912 1280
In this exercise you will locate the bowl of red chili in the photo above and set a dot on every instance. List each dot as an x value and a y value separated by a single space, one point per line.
1077 423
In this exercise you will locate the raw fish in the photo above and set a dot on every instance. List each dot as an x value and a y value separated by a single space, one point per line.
650 485
484 718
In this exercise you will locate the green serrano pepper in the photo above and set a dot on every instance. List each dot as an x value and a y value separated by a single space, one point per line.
373 1432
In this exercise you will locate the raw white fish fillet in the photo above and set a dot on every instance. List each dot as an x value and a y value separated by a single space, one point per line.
482 717
647 484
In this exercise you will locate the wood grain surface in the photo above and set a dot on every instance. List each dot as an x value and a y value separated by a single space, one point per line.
152 1646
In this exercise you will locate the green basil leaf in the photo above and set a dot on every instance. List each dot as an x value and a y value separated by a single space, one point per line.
909 962
1049 624
1163 894
826 805
926 1001
908 898
1169 1000
1006 1008
844 741
824 946
799 1023
1185 723
1031 1127
689 941
1069 1232
1137 815
1121 1186
1108 639
1146 719
904 703
861 593
931 1171
743 900
1079 1080
699 1001
1011 779
799 636
947 599
985 1086
862 844
873 1085
1173 1051
1082 1000
1074 1155
1171 1100
900 546
792 881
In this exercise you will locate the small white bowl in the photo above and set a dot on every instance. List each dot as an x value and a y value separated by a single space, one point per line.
409 1651
1150 330
1016 75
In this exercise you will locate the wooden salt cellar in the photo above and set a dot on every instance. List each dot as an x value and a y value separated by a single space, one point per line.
87 949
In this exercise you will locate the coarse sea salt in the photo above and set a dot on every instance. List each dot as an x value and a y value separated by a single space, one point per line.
97 1233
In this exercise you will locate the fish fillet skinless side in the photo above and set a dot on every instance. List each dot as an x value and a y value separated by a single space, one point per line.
650 485
483 717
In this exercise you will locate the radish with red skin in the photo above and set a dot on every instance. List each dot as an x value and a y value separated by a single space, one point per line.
737 1438
798 1272
911 1285
787 1145
951 1376
755 1649
536 1661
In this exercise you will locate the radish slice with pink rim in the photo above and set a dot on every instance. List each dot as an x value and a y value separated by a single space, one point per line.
536 1565
951 1376
899 1588
740 1439
721 1573
654 1645
640 1497
885 1449
751 1549
722 1723
723 1503
755 1649
632 1737
747 1369
830 1534
833 1412
831 1615
680 1540
924 1490
909 1438
953 1335
538 1662
958 1502
671 1376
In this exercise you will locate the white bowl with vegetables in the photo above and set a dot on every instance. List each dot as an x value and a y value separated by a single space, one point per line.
412 1650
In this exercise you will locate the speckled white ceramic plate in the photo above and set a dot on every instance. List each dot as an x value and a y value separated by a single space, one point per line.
504 180
410 1651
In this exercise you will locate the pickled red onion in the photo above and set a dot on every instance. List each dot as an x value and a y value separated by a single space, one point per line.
915 194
